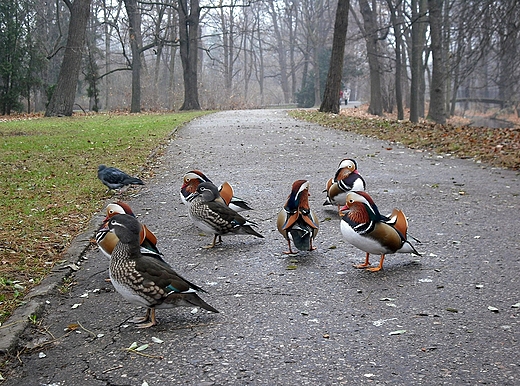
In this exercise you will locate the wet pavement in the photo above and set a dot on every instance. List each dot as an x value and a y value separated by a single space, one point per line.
448 317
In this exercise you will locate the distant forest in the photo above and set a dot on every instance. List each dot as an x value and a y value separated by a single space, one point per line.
232 54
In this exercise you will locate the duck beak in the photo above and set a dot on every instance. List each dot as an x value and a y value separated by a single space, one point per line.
343 208
104 227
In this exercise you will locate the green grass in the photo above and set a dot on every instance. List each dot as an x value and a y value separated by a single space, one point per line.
50 190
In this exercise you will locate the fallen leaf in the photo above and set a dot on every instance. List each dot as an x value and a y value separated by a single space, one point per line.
398 332
157 340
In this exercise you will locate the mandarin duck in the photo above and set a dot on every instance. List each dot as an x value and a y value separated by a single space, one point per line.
296 221
364 227
143 280
193 178
114 178
108 240
210 215
345 180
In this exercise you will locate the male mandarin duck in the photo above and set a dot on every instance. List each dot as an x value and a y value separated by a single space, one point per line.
211 215
143 280
193 178
345 180
297 221
114 178
364 227
108 240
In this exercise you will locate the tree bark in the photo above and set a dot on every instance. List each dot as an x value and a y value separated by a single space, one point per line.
62 100
416 63
134 23
437 111
330 102
281 53
397 26
371 38
189 18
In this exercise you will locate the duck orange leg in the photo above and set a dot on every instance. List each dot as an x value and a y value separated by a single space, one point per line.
365 264
379 267
290 251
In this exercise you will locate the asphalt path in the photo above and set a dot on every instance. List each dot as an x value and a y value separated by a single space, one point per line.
450 317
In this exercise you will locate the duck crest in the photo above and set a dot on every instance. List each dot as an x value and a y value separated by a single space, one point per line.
125 207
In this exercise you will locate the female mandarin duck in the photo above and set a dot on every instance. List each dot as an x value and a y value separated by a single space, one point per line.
296 221
191 181
144 280
364 227
107 241
345 180
208 213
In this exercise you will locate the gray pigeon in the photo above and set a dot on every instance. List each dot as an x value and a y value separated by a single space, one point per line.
114 178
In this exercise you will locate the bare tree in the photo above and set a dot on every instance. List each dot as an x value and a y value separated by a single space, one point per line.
437 111
397 24
189 19
508 30
330 102
371 34
416 61
281 51
136 42
62 100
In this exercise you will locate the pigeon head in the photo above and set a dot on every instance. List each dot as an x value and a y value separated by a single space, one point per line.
126 228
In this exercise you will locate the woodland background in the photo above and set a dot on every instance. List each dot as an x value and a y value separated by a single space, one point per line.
432 58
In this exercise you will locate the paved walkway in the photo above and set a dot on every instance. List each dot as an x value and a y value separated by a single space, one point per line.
310 319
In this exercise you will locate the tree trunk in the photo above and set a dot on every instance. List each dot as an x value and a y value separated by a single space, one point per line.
281 52
62 100
437 111
330 102
416 66
371 37
317 80
189 18
396 24
134 23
